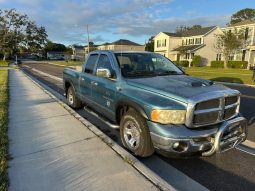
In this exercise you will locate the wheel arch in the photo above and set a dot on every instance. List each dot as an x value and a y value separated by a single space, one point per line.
124 105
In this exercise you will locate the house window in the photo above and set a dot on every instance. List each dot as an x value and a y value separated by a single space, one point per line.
198 40
186 41
183 42
158 43
218 57
187 56
164 43
243 55
246 33
231 57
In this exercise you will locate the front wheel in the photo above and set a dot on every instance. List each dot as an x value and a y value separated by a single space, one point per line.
72 99
135 135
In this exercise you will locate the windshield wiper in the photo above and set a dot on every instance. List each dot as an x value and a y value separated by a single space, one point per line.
141 74
171 72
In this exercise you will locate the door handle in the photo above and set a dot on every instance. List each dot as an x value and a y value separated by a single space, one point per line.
94 83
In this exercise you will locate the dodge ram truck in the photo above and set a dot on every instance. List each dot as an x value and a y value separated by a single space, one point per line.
156 106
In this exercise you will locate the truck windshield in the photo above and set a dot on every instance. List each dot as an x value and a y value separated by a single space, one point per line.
145 65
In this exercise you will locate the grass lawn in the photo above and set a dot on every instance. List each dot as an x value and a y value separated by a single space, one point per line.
67 63
3 63
240 76
3 128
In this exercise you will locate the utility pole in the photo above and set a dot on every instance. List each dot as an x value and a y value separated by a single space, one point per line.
88 36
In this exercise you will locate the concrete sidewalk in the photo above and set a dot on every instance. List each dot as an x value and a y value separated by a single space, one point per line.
52 150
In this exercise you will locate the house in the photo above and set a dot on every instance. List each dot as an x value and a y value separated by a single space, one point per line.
55 55
184 45
248 53
78 52
122 44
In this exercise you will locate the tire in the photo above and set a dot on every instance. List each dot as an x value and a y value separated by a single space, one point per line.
72 99
135 135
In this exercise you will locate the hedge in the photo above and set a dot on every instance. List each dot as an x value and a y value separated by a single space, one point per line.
217 64
231 64
196 61
237 64
183 63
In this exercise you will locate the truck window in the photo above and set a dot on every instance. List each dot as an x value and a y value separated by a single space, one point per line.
104 62
90 64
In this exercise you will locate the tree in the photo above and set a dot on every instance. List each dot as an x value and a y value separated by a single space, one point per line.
228 43
149 46
244 14
183 28
17 31
51 46
35 37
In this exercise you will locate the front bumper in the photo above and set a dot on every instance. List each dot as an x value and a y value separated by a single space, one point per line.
206 141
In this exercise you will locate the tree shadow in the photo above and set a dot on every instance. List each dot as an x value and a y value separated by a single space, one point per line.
228 79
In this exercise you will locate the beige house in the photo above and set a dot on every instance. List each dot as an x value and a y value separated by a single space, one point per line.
122 44
248 53
183 46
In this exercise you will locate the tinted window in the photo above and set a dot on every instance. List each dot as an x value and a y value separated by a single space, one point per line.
104 62
90 64
145 64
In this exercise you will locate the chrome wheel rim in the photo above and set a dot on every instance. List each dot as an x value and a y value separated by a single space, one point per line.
70 98
131 135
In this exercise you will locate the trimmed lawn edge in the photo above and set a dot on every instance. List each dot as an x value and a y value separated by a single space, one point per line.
4 102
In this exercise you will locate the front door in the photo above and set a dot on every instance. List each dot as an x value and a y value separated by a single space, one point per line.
103 89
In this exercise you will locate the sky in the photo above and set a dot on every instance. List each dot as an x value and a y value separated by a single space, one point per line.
110 20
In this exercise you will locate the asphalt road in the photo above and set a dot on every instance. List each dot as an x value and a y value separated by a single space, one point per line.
234 169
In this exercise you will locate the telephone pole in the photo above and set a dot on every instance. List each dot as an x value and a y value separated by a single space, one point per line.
88 36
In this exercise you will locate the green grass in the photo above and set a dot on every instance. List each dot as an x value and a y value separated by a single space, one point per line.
67 63
3 128
3 63
240 76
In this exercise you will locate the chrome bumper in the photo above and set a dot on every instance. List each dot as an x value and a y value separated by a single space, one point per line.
180 140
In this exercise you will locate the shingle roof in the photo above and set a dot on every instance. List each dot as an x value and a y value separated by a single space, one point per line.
124 42
193 32
244 22
188 48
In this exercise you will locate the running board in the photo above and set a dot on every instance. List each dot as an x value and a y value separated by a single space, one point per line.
114 126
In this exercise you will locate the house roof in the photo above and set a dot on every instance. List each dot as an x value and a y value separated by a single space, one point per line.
193 32
124 42
244 22
189 48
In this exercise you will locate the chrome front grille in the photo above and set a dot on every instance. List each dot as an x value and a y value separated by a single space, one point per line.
212 111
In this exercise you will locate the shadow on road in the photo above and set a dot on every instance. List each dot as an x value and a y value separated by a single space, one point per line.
228 79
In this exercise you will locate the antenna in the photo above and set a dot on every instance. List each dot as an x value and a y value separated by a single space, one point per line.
88 36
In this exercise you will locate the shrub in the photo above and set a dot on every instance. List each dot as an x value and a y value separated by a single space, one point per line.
184 63
197 60
217 64
237 64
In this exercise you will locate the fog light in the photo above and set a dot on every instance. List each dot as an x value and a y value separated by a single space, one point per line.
180 146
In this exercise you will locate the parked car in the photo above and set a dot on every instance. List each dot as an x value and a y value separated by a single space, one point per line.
156 105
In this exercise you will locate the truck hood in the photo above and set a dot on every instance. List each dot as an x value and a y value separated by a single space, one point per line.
180 87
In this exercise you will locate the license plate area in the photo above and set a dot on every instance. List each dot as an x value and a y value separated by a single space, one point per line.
232 136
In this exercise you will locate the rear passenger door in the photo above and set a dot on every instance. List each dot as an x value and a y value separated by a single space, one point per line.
86 77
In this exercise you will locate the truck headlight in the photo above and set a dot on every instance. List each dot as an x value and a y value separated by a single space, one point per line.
168 116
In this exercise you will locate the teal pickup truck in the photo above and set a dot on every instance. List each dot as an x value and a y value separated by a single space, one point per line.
156 105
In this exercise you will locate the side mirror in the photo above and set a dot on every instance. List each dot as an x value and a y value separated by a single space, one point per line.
103 72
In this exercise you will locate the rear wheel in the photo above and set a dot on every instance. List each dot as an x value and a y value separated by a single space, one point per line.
135 135
72 99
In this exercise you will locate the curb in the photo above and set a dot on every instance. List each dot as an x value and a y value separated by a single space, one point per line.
235 84
125 155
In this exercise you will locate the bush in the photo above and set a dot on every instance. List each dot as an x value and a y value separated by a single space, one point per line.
217 64
237 64
196 61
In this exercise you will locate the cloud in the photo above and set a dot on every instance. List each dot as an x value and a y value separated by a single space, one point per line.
66 21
